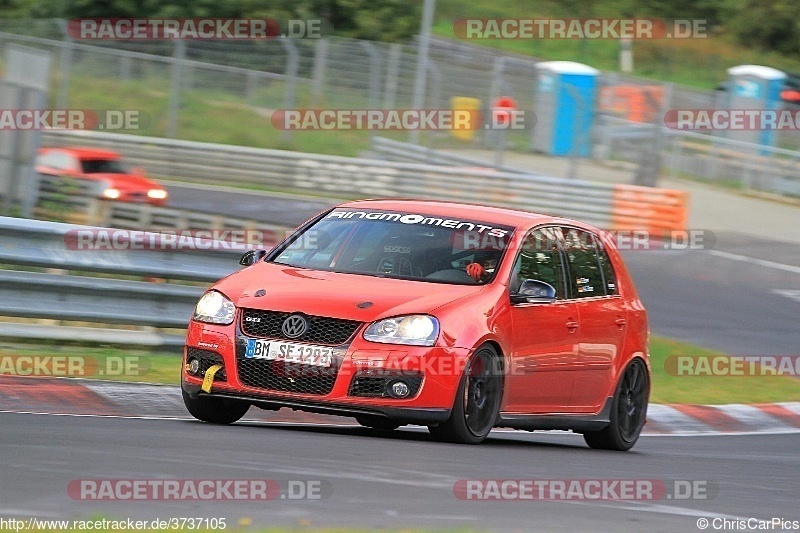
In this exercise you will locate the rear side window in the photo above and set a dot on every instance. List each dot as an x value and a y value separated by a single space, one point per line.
585 274
609 277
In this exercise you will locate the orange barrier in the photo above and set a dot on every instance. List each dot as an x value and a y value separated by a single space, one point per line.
657 211
632 102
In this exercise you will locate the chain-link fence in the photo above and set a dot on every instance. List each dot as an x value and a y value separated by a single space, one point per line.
226 91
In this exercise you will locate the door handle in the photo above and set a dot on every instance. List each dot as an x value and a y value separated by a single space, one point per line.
620 322
572 325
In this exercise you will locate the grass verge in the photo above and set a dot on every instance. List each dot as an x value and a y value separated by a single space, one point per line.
712 390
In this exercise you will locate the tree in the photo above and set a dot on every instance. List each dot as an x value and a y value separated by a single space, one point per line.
382 20
769 25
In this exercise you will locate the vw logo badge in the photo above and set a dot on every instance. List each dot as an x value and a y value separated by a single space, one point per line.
295 326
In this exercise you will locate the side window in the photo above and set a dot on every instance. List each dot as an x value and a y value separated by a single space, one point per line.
539 259
608 272
585 275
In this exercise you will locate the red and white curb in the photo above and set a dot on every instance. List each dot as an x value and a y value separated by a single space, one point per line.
136 400
732 418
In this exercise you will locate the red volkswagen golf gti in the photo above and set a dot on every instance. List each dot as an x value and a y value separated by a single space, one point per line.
458 317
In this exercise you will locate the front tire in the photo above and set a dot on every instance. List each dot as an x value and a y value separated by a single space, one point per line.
215 410
477 400
628 411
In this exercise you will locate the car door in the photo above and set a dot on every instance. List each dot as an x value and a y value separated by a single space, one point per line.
544 336
602 315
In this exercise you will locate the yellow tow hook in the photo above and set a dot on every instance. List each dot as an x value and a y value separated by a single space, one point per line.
208 379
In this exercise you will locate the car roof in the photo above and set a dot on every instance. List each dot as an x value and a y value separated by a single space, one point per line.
480 213
84 153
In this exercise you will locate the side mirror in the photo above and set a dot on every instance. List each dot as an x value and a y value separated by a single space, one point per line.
534 291
252 257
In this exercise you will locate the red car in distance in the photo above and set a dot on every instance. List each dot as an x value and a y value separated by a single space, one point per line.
457 317
113 180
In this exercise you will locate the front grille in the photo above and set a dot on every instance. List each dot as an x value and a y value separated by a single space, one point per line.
372 384
207 360
284 377
321 330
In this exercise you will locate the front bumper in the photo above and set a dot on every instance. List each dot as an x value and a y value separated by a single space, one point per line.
440 370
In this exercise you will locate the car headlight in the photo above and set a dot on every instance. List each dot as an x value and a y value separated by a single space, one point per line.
112 194
418 330
157 194
214 308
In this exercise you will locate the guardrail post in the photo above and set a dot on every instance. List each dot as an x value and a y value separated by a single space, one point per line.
421 72
125 68
64 69
496 138
374 72
650 163
320 68
290 80
178 56
392 74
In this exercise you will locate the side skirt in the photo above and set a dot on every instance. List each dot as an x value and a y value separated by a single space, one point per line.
577 423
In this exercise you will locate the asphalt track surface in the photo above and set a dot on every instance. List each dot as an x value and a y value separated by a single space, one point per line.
289 210
724 297
730 297
399 480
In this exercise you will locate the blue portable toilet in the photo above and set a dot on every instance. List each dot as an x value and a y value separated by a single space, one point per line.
566 97
754 87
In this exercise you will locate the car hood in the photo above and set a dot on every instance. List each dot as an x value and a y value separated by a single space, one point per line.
334 294
126 182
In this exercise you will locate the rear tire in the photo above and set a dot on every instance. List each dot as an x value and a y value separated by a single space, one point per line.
377 422
628 411
477 400
215 410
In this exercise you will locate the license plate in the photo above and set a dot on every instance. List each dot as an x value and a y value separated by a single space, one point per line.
290 352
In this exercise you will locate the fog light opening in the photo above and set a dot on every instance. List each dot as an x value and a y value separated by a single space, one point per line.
193 367
399 389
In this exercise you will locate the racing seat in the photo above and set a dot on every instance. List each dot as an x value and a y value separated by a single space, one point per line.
396 255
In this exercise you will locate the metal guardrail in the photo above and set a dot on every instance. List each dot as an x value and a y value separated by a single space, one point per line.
356 177
88 299
404 152
160 303
703 156
34 243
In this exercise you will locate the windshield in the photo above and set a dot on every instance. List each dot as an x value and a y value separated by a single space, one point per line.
103 166
400 245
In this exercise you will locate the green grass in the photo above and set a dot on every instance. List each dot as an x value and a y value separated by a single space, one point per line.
712 390
109 363
164 367
207 116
